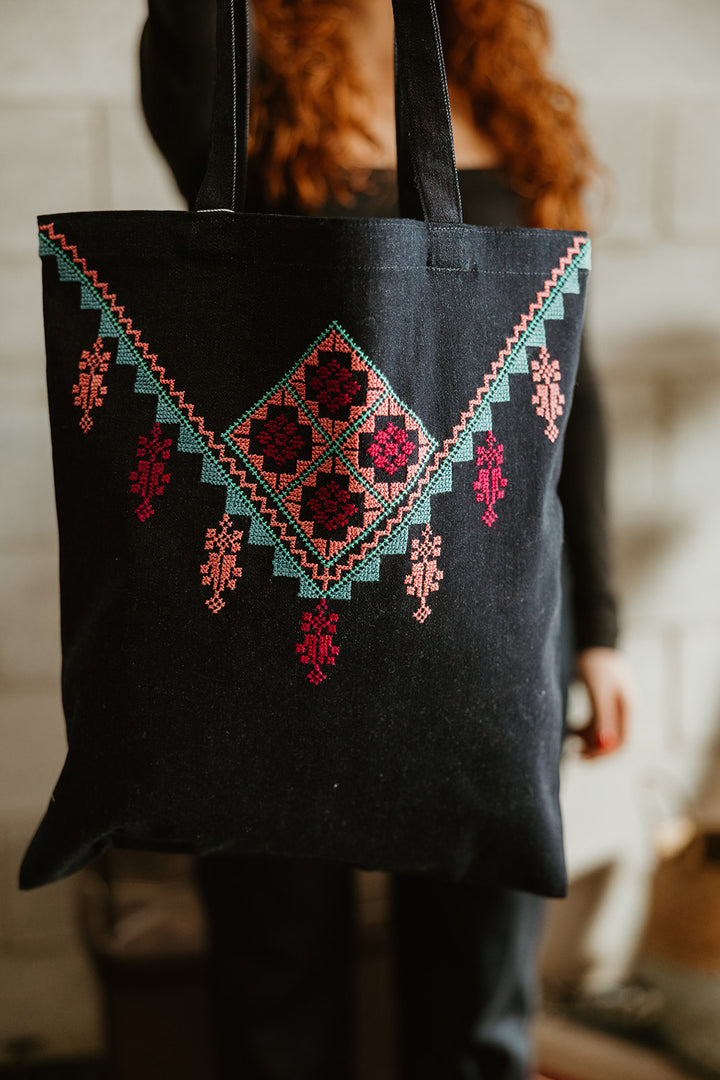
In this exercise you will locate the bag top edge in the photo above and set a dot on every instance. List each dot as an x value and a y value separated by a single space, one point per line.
301 222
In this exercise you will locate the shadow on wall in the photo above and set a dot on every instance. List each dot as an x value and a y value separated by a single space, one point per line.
663 402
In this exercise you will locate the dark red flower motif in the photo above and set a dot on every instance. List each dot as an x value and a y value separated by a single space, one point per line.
333 385
281 440
331 506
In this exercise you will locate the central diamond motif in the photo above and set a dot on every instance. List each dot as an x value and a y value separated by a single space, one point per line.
331 457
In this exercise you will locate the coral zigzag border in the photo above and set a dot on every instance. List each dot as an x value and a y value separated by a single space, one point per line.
437 476
152 360
316 578
512 345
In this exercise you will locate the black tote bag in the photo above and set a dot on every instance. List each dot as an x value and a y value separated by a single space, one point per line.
310 538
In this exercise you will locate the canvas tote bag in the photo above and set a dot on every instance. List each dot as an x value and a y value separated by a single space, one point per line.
310 539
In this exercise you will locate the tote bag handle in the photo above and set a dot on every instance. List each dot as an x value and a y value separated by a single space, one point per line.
427 175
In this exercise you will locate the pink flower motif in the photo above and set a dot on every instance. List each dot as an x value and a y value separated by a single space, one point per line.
391 449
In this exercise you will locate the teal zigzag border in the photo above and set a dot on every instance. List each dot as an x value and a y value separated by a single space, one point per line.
237 503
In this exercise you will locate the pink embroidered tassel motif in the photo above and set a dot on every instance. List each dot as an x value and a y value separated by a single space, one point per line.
490 484
89 390
221 570
424 576
548 400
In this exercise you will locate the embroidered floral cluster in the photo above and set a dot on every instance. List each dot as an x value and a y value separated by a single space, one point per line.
328 463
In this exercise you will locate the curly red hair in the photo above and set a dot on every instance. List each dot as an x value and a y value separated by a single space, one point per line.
307 99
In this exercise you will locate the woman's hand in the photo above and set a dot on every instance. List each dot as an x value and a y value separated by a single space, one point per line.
607 678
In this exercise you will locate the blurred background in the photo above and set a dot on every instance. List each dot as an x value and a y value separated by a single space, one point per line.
72 137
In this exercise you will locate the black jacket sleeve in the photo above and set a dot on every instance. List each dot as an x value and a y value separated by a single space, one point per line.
582 493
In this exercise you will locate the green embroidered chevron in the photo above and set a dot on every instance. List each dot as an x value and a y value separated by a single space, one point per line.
330 466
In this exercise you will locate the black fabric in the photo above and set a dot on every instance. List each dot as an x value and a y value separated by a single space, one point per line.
176 63
224 183
489 199
582 491
177 53
245 669
467 981
427 178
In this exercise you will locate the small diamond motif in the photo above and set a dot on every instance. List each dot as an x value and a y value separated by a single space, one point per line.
333 385
391 449
331 507
276 440
281 440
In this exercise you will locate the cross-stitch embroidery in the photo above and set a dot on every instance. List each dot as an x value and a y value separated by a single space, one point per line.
330 465
149 478
331 507
339 402
317 647
221 570
490 484
333 385
391 449
276 441
329 496
548 400
424 577
281 440
89 390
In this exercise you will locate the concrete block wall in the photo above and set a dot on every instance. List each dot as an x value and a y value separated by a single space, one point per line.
648 78
72 138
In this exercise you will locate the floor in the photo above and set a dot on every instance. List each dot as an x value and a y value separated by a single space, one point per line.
567 1052
157 1021
570 1052
70 1070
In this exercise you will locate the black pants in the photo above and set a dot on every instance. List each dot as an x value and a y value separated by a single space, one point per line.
282 946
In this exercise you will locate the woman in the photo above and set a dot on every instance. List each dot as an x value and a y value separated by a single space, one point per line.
323 141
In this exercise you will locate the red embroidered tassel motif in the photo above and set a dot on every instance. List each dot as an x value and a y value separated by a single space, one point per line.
317 647
150 478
